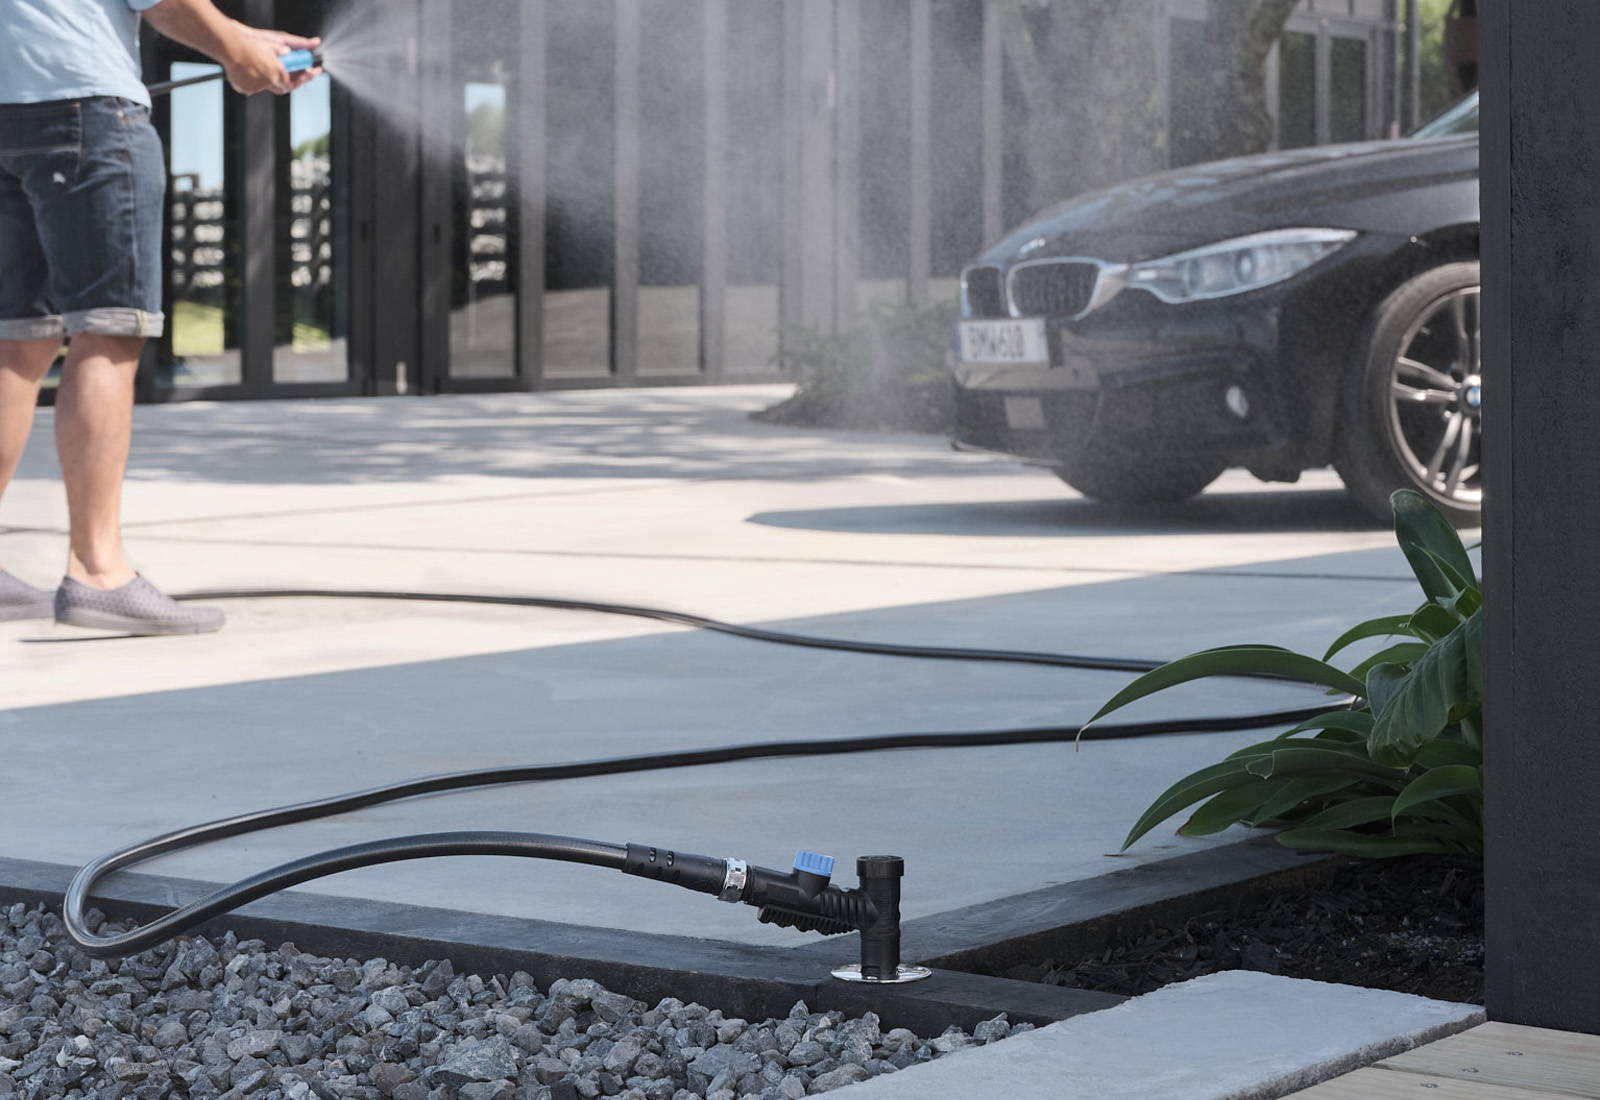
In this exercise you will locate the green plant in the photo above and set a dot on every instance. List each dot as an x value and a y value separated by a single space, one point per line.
1399 771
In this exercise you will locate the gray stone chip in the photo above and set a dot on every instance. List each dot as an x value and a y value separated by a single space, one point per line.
230 1019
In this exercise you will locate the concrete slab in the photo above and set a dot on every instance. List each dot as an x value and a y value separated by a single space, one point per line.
666 497
1231 1036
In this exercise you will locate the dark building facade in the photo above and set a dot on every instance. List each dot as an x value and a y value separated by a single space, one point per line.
530 194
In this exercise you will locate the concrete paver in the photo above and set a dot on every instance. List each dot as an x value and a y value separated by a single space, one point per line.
1237 1035
664 497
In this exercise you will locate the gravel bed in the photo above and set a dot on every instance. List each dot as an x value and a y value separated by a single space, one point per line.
1414 925
201 1018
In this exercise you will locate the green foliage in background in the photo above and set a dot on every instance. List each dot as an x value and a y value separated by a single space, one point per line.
1400 771
888 372
1436 93
314 147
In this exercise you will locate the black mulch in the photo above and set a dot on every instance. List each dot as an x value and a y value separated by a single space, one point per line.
1413 925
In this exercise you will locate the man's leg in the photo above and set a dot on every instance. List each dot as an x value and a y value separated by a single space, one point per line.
23 365
94 422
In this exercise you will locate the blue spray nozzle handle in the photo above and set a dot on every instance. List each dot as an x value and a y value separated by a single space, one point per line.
298 61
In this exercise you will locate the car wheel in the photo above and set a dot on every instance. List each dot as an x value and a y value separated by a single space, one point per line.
1151 480
1412 420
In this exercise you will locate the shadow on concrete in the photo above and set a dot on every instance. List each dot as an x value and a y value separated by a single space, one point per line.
1279 512
653 434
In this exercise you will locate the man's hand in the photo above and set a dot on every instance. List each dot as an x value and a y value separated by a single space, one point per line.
249 55
253 66
280 42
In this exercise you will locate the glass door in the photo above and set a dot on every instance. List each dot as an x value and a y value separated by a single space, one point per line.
311 239
471 125
201 352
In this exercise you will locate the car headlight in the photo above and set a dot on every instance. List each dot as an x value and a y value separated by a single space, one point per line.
1237 265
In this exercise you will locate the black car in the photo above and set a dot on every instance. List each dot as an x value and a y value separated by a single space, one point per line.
1278 312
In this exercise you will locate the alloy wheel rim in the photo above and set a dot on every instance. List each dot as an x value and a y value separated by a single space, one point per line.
1436 398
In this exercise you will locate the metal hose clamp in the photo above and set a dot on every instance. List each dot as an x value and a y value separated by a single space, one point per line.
733 882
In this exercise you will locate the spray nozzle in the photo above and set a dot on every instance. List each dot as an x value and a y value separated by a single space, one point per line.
298 61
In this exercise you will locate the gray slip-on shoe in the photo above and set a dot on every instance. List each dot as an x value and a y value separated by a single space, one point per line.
21 601
138 607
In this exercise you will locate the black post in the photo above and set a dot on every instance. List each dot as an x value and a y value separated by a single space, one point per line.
880 942
1541 344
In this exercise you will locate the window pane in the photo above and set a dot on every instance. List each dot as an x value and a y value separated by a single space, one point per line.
311 273
957 142
201 344
1188 99
885 75
580 236
483 306
1297 90
755 185
1347 113
671 185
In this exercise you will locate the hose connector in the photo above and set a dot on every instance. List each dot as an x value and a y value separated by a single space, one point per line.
802 898
734 878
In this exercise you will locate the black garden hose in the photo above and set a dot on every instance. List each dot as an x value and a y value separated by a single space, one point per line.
565 848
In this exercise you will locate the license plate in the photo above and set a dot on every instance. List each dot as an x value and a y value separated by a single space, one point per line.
1020 341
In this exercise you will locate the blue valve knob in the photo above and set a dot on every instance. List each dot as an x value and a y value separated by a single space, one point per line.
814 862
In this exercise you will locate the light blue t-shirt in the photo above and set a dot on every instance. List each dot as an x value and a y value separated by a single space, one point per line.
70 49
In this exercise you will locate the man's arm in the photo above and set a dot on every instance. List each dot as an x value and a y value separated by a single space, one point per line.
248 54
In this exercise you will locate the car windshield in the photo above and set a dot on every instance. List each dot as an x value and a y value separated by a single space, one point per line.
1458 120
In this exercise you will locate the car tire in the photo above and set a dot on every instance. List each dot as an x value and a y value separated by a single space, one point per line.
1410 419
1151 480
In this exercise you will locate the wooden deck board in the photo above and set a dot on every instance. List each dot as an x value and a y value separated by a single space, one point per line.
1557 1062
1388 1084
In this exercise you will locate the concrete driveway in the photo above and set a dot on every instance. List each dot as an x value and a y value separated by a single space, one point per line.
666 497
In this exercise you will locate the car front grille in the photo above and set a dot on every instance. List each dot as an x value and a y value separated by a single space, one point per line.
1053 288
983 292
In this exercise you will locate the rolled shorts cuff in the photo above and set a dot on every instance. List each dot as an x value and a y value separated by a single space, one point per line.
33 328
115 322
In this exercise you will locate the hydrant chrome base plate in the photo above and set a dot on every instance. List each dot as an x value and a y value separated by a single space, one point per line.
852 973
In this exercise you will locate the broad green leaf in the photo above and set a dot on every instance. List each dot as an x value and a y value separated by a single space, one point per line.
1446 682
1464 604
1384 627
1439 829
1434 622
1296 791
1229 807
1441 782
1267 748
1186 792
1260 753
1463 837
1459 584
1422 529
1366 845
1442 815
1319 759
1250 660
1383 682
1357 811
1358 722
1442 751
1472 729
1405 653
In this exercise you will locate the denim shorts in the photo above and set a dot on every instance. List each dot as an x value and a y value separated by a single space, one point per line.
82 188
